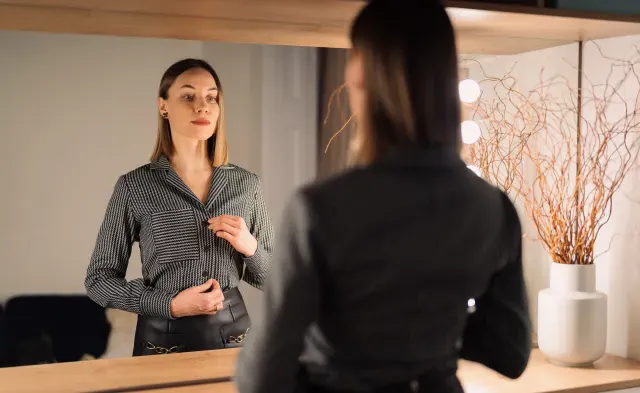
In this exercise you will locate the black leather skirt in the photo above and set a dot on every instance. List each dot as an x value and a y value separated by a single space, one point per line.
226 329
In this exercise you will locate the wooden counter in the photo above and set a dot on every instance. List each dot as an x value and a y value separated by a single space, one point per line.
209 371
123 373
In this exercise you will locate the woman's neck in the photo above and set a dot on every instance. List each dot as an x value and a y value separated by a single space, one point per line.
190 157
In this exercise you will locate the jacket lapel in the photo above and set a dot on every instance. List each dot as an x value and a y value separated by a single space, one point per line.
219 182
174 180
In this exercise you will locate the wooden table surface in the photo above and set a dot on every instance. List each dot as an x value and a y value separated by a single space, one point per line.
225 387
107 375
203 371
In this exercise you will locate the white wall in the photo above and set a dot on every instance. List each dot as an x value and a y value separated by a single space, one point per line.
78 111
618 269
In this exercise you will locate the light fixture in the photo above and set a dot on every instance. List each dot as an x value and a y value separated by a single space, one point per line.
469 91
470 132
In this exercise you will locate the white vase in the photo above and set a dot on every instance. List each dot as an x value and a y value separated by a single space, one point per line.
572 316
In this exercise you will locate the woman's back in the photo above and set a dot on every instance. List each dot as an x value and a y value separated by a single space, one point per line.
376 269
402 247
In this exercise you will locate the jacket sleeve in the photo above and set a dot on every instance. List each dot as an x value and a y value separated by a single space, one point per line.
269 360
498 334
105 281
257 265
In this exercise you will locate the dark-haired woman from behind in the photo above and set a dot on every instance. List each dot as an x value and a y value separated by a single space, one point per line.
375 269
201 223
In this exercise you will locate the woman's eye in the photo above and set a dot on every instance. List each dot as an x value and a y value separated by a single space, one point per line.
212 99
187 97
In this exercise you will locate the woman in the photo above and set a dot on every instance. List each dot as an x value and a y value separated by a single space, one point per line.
378 269
201 223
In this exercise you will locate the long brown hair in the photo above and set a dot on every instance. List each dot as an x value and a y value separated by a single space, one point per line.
216 145
410 77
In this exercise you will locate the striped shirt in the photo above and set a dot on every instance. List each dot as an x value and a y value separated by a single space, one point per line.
151 205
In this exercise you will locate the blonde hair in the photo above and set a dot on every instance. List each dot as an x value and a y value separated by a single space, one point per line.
217 148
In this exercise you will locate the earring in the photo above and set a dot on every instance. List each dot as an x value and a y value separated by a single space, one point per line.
165 115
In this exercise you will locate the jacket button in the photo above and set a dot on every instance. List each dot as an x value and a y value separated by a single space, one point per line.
205 274
207 247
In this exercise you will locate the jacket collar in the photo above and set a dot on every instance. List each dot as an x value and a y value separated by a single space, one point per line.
161 163
422 156
218 183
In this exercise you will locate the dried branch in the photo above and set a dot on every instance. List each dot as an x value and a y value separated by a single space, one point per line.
573 172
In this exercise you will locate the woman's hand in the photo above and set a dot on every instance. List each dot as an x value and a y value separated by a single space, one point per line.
197 300
234 230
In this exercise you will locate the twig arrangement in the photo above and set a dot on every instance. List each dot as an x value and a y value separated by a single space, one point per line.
565 157
508 121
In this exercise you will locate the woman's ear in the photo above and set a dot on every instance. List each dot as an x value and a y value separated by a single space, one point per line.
162 107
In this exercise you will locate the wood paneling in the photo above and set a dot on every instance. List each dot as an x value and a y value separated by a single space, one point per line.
481 28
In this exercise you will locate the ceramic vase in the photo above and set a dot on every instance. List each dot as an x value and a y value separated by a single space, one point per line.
572 316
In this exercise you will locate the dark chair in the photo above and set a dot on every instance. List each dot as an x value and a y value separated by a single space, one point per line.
54 328
4 342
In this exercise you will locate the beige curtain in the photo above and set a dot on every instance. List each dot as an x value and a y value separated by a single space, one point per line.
331 64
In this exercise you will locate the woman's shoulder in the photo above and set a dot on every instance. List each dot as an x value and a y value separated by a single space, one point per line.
140 172
335 183
238 173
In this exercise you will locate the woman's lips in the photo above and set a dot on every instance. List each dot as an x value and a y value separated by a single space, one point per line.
201 122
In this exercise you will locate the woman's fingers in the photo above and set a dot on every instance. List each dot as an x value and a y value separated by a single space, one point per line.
225 227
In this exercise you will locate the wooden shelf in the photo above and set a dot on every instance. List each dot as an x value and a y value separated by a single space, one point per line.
481 29
227 387
502 29
193 373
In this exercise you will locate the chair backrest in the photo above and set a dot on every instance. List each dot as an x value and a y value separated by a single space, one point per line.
4 342
60 328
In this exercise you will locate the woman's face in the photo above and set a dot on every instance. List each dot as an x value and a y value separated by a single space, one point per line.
192 105
354 79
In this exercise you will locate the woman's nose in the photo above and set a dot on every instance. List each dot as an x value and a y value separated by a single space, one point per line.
201 106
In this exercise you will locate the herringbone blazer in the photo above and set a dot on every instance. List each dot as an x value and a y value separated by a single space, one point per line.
152 206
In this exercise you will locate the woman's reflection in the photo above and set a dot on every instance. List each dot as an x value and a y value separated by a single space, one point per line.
201 223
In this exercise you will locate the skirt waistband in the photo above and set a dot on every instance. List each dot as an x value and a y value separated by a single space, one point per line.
233 309
225 329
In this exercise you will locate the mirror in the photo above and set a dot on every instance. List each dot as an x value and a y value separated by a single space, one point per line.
78 111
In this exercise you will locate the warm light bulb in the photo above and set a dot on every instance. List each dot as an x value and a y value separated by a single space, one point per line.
470 132
474 169
469 91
